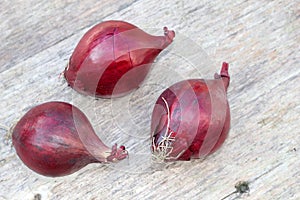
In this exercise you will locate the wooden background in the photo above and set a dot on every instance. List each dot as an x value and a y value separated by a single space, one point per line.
260 40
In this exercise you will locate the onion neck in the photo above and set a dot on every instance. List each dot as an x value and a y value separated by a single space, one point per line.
98 151
224 75
117 153
168 37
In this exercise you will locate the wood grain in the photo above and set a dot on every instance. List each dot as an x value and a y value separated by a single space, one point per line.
29 27
260 40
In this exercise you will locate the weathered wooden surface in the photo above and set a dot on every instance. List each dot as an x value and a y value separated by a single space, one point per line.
260 40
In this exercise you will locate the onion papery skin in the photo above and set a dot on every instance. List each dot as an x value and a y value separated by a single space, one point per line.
56 139
113 58
191 119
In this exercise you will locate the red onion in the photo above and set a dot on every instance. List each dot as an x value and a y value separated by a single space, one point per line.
57 139
113 58
191 119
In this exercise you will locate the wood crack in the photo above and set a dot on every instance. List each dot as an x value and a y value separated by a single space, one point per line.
243 186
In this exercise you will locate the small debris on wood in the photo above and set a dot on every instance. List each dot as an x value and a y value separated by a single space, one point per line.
262 122
37 197
241 188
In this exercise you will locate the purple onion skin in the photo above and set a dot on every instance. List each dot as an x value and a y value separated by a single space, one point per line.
113 58
56 139
191 119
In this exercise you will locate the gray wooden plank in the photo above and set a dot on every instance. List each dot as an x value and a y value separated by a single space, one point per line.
260 40
28 27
